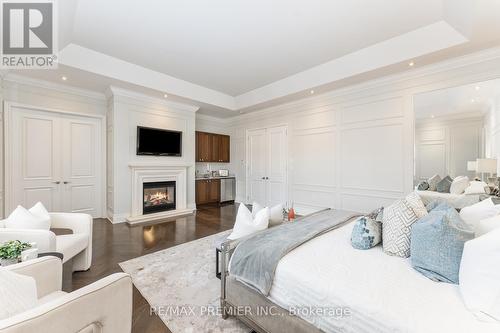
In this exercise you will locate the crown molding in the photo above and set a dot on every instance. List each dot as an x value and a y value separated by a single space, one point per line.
379 86
113 91
23 80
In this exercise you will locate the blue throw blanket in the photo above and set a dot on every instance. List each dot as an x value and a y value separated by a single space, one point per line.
254 260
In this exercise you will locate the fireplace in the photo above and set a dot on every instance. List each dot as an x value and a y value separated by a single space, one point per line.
158 197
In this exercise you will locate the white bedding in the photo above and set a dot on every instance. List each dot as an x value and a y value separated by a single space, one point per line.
455 200
384 293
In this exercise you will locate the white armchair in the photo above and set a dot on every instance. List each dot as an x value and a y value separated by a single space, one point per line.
103 306
76 246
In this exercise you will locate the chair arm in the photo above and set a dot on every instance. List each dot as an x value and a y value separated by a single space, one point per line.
77 222
45 239
47 272
105 305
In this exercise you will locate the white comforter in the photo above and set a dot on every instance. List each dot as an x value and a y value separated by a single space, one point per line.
383 293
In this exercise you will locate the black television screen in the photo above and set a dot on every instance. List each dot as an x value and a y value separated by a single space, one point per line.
152 141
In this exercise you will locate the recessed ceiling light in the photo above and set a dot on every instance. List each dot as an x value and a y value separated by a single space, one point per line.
311 92
64 78
478 87
241 112
432 116
472 100
411 64
165 95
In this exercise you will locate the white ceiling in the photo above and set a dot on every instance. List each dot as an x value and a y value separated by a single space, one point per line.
228 55
237 46
458 101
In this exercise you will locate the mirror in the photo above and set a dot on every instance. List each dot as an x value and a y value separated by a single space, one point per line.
454 129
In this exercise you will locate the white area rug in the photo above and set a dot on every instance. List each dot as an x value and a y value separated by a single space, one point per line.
180 284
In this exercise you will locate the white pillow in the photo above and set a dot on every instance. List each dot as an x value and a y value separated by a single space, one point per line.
476 187
459 185
21 218
245 225
479 276
276 213
256 207
17 293
415 202
480 211
487 225
39 210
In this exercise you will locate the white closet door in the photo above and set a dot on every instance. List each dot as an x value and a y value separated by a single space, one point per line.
81 165
35 159
267 166
54 158
277 165
257 165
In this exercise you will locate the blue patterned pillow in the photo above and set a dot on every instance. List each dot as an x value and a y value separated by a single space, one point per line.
366 233
437 243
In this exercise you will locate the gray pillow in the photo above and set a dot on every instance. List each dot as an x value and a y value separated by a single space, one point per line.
437 243
444 185
423 186
433 181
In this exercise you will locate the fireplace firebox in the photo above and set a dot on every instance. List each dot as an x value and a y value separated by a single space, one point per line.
158 197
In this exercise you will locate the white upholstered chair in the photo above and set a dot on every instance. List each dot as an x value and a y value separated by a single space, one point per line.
103 306
76 246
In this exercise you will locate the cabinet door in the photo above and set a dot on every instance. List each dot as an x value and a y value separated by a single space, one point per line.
214 190
215 145
201 192
203 147
224 148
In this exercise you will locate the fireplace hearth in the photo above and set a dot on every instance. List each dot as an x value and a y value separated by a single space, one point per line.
158 197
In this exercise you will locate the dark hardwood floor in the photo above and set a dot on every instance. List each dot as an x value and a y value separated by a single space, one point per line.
114 243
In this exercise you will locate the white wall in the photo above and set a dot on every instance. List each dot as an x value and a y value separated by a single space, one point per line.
353 148
492 130
444 145
126 111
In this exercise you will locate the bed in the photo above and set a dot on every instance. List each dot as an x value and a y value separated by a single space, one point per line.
457 201
366 291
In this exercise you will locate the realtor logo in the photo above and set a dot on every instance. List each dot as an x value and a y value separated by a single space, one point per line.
28 34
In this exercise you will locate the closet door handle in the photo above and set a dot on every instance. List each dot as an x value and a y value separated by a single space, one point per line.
56 182
66 182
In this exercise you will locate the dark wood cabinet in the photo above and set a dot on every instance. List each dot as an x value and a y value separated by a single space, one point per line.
224 148
212 147
207 191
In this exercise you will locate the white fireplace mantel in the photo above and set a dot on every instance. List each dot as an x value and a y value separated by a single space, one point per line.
147 173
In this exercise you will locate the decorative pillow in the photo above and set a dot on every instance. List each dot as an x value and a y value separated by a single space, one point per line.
396 228
377 215
480 211
17 293
423 186
444 185
479 276
39 211
476 187
487 225
437 243
276 212
366 233
21 218
459 185
416 204
245 225
436 204
433 181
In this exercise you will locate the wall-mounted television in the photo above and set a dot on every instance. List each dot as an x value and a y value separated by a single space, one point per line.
159 142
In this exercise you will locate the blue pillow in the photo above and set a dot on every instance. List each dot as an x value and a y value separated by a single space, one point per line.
437 243
366 233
